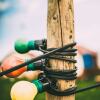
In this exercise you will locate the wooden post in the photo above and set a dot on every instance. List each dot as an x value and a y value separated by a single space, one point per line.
60 32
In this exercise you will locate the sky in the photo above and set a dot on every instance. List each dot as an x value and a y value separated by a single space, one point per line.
29 20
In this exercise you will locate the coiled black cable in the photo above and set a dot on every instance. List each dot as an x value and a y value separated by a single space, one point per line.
54 75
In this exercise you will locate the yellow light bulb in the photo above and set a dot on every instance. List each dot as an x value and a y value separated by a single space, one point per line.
23 90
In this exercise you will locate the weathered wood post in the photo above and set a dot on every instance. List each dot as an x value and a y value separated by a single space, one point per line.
60 32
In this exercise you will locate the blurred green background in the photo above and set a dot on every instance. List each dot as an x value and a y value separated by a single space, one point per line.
94 94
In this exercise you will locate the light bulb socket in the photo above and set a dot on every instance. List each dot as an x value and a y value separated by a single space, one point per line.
42 43
30 67
34 45
36 66
39 85
42 83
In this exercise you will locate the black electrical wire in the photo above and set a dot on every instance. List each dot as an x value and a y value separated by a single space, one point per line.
53 89
63 74
50 49
62 58
87 88
70 91
66 92
50 86
66 54
60 74
56 74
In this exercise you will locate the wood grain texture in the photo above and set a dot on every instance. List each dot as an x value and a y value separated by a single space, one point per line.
60 32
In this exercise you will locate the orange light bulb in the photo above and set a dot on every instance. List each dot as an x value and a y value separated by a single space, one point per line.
11 61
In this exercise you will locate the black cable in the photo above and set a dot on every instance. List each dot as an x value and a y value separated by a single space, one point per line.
70 91
60 74
87 88
53 75
50 49
65 75
66 54
62 58
66 92
53 89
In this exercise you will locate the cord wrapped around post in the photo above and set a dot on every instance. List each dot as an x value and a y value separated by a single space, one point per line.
54 75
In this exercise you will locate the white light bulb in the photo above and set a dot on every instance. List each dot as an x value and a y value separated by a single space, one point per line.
23 90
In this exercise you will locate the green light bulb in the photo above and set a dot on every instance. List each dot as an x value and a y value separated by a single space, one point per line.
21 46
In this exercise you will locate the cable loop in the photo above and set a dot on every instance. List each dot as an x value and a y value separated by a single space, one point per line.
54 75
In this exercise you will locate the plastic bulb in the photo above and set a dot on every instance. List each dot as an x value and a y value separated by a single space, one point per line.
10 62
21 46
23 90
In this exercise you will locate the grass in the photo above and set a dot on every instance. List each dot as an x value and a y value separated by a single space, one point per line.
93 94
